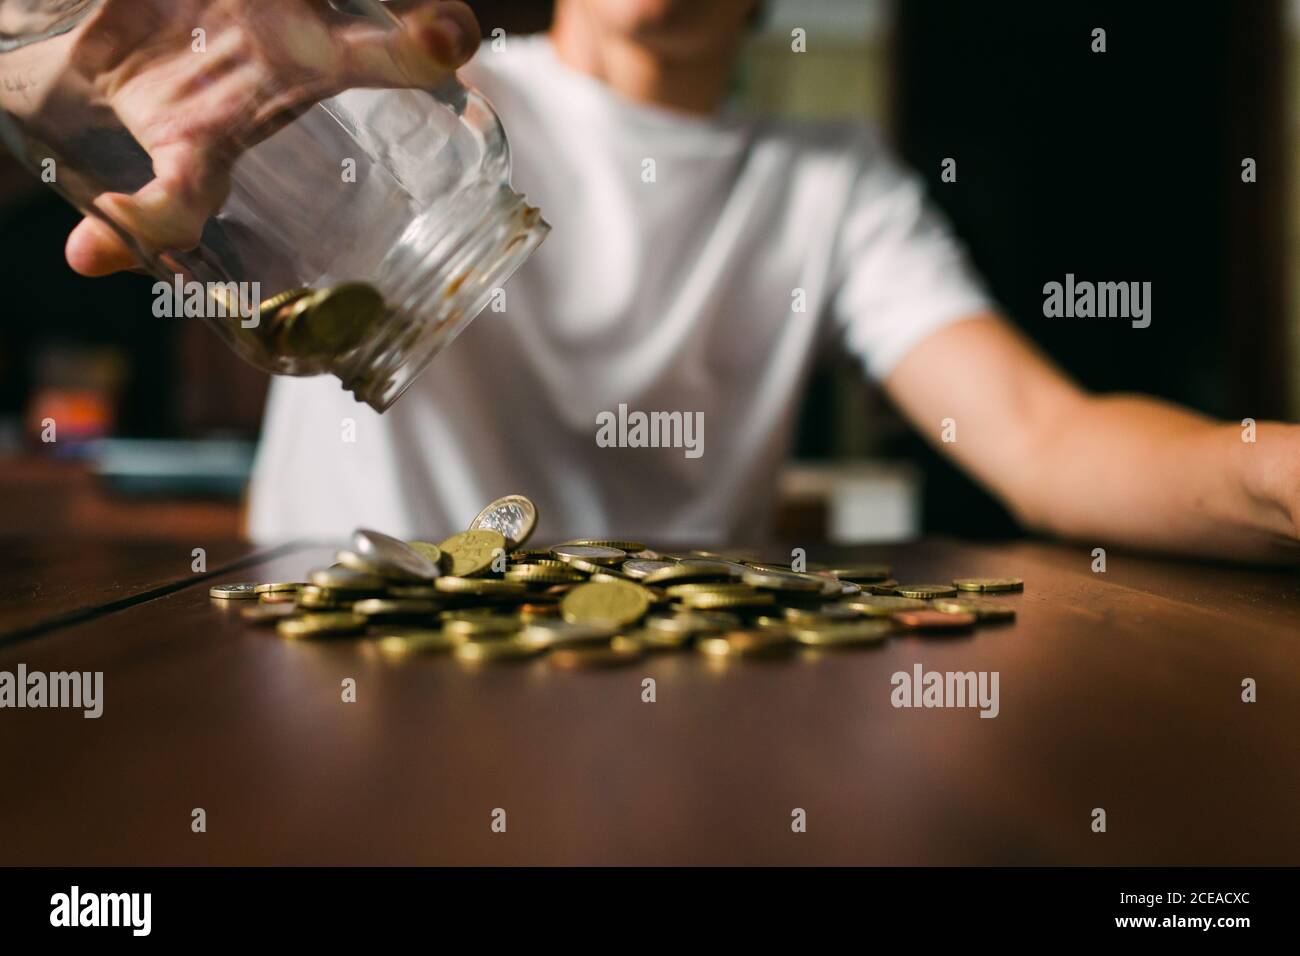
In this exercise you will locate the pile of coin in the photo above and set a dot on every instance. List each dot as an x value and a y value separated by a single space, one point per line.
481 595
320 323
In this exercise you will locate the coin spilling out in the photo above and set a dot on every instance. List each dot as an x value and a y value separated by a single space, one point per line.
480 597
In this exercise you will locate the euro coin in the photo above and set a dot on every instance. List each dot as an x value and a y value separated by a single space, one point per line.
861 573
593 554
613 653
478 628
513 516
268 613
278 587
401 643
335 624
640 568
695 569
332 321
840 634
926 592
884 605
722 600
619 603
269 308
472 552
983 610
343 579
616 544
751 643
481 587
784 581
989 584
395 609
505 649
234 592
542 574
429 550
935 620
556 633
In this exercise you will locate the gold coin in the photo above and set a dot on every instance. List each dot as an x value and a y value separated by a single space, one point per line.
514 516
783 581
269 307
391 609
268 613
505 649
471 552
821 614
474 628
557 633
989 584
752 643
322 625
640 568
884 605
278 597
925 592
619 603
983 610
694 569
542 574
617 545
590 553
401 643
881 587
346 580
861 573
841 634
234 592
331 321
613 653
481 587
429 550
719 600
278 588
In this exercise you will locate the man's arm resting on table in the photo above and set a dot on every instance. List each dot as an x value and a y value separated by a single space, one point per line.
1107 469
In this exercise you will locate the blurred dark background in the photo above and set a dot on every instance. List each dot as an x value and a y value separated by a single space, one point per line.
1123 165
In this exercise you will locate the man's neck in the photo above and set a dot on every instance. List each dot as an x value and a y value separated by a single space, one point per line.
694 83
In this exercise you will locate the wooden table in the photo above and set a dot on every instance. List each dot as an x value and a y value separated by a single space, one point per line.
1119 690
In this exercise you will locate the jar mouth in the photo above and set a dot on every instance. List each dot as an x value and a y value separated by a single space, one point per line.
436 280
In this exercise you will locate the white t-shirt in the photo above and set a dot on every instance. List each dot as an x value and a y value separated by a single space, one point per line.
709 291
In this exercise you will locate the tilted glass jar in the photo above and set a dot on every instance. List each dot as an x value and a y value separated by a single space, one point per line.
396 199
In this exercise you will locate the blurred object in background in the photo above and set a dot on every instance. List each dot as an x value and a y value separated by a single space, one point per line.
75 393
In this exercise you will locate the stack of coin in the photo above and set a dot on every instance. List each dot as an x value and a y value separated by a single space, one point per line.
482 596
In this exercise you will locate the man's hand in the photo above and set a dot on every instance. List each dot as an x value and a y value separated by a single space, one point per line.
1106 469
194 112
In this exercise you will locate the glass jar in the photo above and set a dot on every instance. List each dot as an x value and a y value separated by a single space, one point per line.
373 224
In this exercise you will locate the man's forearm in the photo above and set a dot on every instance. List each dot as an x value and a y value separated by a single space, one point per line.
1138 471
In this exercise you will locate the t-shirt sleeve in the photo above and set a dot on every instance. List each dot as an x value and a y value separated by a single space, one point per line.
900 274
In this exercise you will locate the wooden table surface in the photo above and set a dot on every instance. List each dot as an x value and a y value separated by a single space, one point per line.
1119 690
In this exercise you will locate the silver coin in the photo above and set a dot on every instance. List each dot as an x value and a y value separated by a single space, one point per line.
513 516
639 568
234 592
588 552
786 581
392 558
